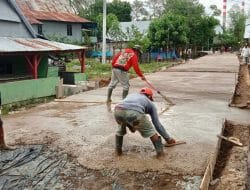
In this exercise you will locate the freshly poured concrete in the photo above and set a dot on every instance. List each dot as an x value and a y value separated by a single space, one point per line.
200 89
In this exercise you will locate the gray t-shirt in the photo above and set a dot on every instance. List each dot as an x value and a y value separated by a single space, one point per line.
140 102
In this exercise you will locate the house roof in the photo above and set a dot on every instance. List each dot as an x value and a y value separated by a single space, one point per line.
28 45
141 25
22 18
37 11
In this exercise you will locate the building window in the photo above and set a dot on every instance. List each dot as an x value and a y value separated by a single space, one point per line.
40 29
69 29
6 69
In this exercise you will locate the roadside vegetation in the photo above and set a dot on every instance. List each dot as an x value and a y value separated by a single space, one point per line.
172 27
95 70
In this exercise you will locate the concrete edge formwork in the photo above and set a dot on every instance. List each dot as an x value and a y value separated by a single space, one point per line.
240 148
237 83
208 175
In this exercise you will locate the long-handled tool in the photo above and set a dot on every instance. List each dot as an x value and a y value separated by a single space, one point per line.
176 143
163 96
233 140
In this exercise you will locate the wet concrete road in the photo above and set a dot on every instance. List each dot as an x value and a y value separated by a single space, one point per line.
201 90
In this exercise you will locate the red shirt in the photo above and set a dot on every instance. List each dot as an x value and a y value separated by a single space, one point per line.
127 59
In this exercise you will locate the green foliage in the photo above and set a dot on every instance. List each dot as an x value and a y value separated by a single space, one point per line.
62 39
156 8
150 68
227 39
135 37
87 40
121 9
187 8
184 23
233 36
216 11
237 26
202 30
139 11
169 30
111 24
96 70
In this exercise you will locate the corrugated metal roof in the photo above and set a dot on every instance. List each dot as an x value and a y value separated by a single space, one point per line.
37 11
141 25
62 6
7 13
15 45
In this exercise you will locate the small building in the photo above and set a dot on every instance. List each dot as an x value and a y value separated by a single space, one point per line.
24 65
54 19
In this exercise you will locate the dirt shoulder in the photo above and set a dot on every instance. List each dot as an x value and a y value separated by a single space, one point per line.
201 91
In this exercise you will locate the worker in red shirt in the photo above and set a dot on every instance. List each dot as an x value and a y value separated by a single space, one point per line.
121 64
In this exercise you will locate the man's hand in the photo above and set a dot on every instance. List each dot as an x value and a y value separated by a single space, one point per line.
170 141
143 78
132 129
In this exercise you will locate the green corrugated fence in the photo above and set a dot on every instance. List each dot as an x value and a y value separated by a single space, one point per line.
27 89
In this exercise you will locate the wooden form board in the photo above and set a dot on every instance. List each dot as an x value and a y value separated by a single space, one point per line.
208 176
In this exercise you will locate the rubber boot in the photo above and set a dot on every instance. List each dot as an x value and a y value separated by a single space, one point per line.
158 147
109 99
124 94
118 144
109 94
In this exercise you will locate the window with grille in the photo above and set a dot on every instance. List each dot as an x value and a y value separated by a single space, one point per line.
69 29
40 29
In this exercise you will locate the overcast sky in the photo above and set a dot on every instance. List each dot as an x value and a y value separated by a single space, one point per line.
218 3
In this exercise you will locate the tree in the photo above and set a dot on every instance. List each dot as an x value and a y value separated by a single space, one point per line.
187 8
80 5
121 9
237 24
139 12
169 30
156 8
112 25
135 37
215 10
201 27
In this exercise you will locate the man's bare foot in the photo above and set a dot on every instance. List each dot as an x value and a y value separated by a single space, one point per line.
5 147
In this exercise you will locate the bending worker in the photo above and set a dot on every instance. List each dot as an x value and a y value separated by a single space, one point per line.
121 64
131 114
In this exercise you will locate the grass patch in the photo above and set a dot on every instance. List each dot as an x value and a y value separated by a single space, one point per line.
96 70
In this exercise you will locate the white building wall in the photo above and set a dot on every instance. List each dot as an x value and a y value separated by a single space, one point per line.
59 29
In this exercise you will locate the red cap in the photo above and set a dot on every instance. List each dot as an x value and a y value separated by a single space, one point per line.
148 92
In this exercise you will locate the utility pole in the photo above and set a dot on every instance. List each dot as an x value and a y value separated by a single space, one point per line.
224 14
104 32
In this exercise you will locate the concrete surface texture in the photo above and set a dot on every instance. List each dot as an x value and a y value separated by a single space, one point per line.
81 126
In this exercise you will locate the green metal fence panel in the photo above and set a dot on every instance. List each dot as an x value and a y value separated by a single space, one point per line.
53 72
80 77
73 77
43 67
27 89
